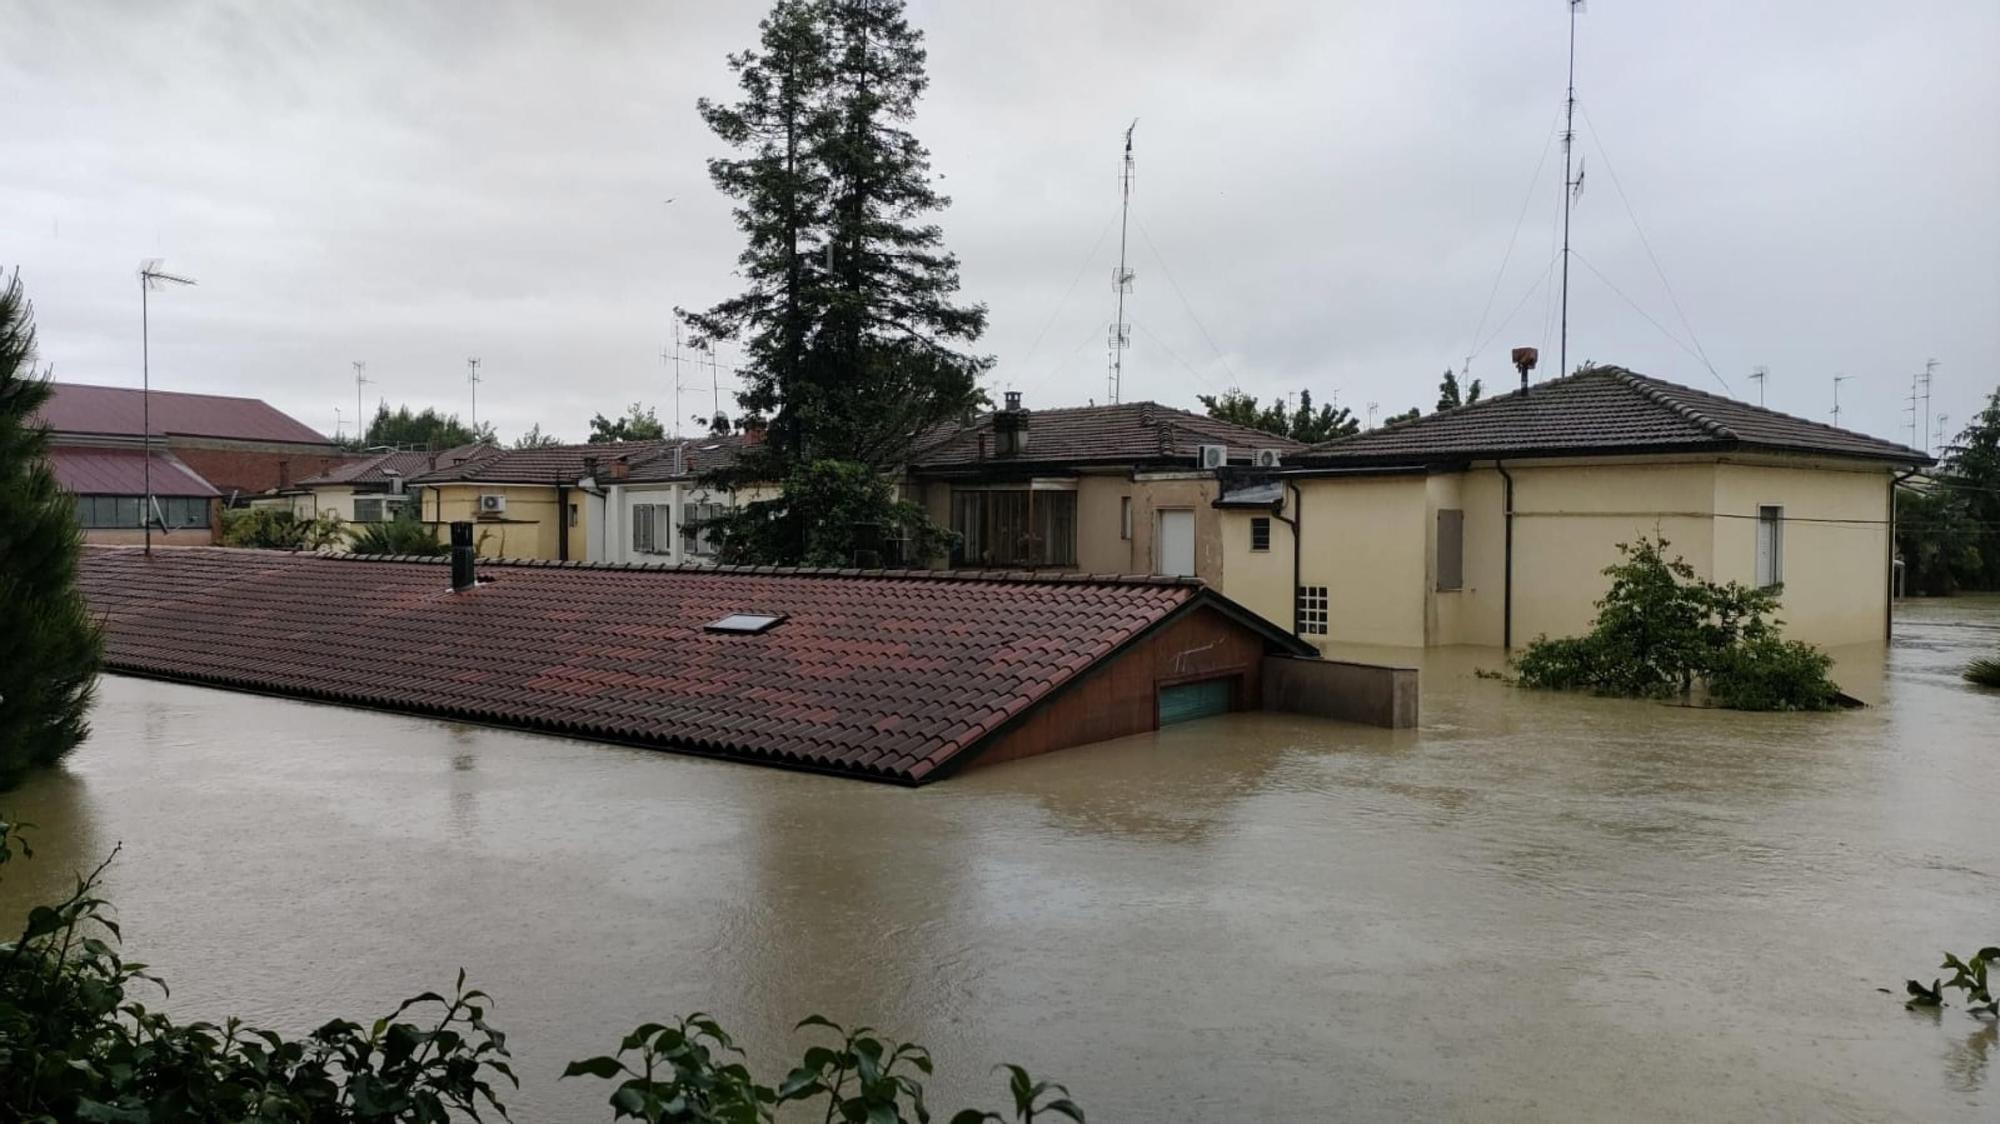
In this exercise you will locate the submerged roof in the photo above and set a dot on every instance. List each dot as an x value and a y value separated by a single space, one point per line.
886 675
122 411
122 472
1601 410
1127 433
383 467
550 464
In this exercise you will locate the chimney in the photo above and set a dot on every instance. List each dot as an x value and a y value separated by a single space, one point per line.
620 470
1010 428
1524 361
753 429
462 577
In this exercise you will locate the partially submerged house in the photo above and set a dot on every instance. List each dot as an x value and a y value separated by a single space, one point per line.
1124 489
1490 524
902 676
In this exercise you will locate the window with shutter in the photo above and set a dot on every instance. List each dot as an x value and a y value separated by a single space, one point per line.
1450 550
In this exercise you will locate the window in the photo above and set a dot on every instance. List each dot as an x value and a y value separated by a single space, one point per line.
1451 550
1125 518
1770 546
752 623
368 511
1260 533
123 512
695 518
1312 610
572 515
643 537
1015 527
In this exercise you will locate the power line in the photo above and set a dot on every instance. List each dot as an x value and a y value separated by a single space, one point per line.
1069 292
1540 280
1185 303
1527 201
1649 319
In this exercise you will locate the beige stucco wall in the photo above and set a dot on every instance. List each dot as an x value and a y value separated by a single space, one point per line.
529 530
1835 545
1101 548
1154 494
1260 580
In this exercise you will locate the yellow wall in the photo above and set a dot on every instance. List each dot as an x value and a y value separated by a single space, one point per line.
529 529
1835 545
1261 581
1100 547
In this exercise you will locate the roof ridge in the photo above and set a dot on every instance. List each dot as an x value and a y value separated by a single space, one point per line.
1034 577
1657 394
1674 387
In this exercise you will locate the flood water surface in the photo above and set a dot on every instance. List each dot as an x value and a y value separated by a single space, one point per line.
1535 907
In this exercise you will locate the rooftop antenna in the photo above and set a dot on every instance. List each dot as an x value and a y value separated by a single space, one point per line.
150 277
1371 414
360 380
473 378
1571 187
1120 336
1837 380
337 423
673 358
1930 368
1938 437
1758 375
1917 420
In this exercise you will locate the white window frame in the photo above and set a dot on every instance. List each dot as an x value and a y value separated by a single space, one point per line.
1774 526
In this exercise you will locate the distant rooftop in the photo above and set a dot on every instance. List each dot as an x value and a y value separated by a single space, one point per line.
1134 433
120 411
1602 410
122 472
885 675
383 467
552 464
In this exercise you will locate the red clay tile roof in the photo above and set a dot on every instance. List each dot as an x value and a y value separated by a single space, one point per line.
1137 433
698 455
883 675
122 472
552 464
118 410
382 467
1601 410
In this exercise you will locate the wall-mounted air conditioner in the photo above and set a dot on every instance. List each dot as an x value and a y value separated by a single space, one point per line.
1266 458
492 506
1212 456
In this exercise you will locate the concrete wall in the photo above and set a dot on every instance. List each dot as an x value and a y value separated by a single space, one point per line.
1101 547
1351 692
1835 556
1156 492
1260 581
1364 538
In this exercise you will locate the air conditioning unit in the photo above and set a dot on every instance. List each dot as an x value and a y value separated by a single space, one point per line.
1265 458
1212 456
492 505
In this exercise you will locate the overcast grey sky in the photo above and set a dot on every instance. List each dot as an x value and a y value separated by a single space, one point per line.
1325 194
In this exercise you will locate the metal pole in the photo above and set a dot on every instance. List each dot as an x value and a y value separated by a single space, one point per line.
1569 189
1119 340
146 404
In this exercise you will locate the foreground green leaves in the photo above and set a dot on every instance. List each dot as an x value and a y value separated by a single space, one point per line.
77 1045
1971 975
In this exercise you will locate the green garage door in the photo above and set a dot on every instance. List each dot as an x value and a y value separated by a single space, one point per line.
1195 700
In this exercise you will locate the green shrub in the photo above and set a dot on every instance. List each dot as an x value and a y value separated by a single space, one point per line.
274 528
1660 629
1772 674
405 534
1984 673
1971 975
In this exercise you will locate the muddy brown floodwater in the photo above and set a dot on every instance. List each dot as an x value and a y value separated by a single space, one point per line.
1535 907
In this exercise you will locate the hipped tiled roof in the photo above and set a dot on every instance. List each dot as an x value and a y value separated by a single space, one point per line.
889 676
1135 433
697 455
122 472
1603 410
553 464
383 467
121 411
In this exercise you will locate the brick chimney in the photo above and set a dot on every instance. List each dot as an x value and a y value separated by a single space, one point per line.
753 430
620 470
1010 428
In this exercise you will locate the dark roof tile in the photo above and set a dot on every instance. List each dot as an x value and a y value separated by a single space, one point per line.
1134 433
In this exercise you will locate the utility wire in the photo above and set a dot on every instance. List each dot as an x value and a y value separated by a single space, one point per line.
1069 292
1540 280
1699 351
1678 342
1161 258
1171 353
1527 201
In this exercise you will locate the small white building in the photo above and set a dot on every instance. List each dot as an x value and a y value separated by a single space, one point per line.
653 511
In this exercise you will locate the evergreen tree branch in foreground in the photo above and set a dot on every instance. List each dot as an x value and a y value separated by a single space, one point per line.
49 643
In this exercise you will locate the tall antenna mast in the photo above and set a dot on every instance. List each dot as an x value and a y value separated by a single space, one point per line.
1930 368
1570 186
1121 281
150 277
1759 375
674 358
360 380
1837 380
473 378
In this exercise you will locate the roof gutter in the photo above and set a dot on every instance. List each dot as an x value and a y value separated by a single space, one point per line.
1298 513
1889 595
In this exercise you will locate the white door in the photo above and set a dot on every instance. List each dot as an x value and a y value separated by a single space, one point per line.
1175 550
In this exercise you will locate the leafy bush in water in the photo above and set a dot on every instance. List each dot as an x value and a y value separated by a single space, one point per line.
1660 629
272 528
1983 673
405 534
75 1045
1971 976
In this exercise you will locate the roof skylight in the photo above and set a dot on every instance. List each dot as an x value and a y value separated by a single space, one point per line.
748 623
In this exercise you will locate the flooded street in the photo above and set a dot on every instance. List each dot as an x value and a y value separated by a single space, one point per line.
1535 907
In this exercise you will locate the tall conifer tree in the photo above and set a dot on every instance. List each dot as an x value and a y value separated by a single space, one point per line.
49 644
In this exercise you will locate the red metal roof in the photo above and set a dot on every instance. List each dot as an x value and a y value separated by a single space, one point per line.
118 410
884 675
122 472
